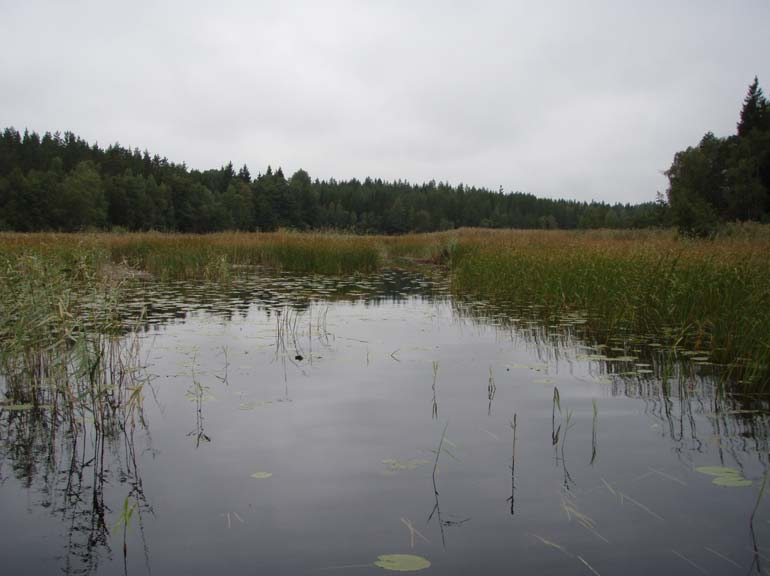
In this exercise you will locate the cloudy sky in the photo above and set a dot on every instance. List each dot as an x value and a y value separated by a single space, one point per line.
586 100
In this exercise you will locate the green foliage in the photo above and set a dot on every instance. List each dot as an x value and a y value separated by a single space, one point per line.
402 562
724 476
63 183
754 114
724 179
709 296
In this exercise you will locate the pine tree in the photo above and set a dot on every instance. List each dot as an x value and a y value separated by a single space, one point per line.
754 110
244 174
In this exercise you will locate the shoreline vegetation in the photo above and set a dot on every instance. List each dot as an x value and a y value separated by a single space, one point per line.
708 296
689 272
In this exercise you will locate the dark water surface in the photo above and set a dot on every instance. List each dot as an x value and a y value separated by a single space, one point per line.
335 395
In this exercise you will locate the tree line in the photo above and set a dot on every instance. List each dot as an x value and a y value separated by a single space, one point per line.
725 179
61 182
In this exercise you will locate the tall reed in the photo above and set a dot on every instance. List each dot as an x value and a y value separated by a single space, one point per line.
711 296
62 343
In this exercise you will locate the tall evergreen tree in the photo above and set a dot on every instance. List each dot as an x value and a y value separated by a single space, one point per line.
754 111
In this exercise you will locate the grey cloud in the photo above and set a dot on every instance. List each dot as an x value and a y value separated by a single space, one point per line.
563 99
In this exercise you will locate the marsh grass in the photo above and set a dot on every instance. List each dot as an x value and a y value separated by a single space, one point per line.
703 296
64 345
710 297
71 381
212 257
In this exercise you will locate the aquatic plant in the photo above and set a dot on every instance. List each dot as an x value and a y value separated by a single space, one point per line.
724 476
64 343
402 562
213 256
71 383
709 297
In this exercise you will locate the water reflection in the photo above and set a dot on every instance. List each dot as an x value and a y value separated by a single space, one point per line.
674 385
353 395
74 448
169 302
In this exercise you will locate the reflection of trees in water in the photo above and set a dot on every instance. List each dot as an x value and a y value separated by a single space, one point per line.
269 291
71 441
693 405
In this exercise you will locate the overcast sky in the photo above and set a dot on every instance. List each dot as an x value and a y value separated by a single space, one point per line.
577 99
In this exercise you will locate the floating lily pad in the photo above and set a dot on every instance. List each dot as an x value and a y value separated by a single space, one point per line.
724 476
394 464
718 471
261 475
732 481
402 562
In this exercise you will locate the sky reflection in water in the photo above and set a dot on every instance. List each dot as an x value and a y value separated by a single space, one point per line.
292 426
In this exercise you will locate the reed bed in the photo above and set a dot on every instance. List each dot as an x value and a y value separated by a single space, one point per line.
212 256
63 345
710 296
703 295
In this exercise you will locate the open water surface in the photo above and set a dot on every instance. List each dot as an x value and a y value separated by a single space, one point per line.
291 426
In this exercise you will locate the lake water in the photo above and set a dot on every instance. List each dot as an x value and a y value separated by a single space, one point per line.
291 426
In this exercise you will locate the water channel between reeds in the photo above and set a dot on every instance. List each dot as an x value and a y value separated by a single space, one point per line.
316 425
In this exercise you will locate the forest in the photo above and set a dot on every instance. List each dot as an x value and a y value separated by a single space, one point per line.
725 179
60 182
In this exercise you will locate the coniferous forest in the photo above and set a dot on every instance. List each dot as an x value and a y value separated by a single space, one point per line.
725 179
61 182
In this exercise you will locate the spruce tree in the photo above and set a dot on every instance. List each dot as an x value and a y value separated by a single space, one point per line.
754 109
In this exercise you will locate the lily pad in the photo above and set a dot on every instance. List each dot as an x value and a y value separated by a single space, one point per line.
402 562
394 464
732 481
718 471
724 476
261 475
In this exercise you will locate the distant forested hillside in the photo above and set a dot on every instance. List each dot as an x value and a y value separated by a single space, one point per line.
61 182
